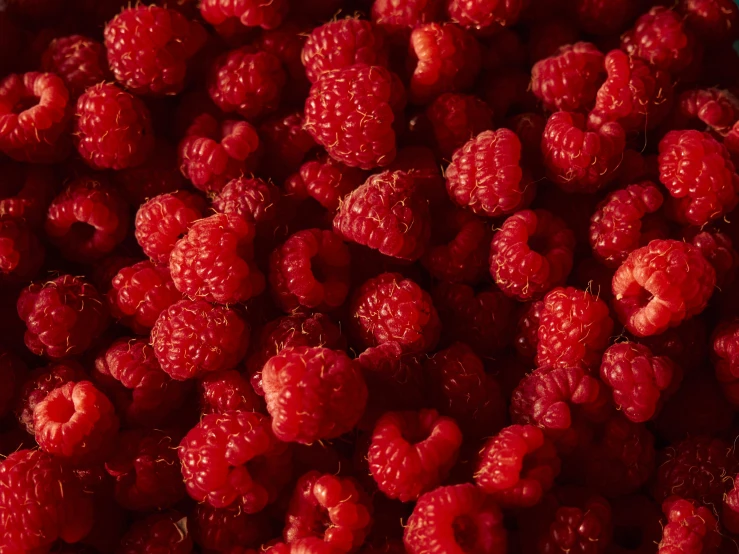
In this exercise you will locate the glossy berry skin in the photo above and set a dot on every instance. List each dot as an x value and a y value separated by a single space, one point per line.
63 316
251 13
313 393
112 128
165 532
400 17
412 452
351 112
252 199
660 285
725 342
584 527
712 107
78 60
690 528
21 253
225 391
455 118
453 520
324 180
484 15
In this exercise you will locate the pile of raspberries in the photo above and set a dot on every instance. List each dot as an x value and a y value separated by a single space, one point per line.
369 276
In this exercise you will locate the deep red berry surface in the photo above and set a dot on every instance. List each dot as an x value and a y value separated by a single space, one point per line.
78 60
225 391
251 13
689 528
455 119
158 532
21 253
254 200
484 15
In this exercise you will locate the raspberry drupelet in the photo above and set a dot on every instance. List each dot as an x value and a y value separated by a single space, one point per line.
351 112
484 15
690 528
78 60
714 108
26 192
251 13
192 338
325 180
725 344
225 391
455 119
398 18
526 339
234 456
63 316
660 285
313 393
163 532
21 253
149 47
531 253
718 249
412 452
714 21
453 520
569 79
253 199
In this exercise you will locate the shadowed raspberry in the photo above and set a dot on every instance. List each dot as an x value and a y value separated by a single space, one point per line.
730 510
252 199
226 391
286 144
526 340
714 108
484 15
606 17
21 253
78 60
725 342
715 21
26 192
160 174
287 42
166 532
455 119
690 528
400 17
223 529
325 180
250 13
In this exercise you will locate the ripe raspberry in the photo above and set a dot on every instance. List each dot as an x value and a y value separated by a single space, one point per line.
714 21
63 316
455 519
149 46
192 338
686 344
251 13
660 285
718 249
400 17
606 17
231 456
313 393
412 452
484 15
725 343
146 470
226 391
420 162
160 174
711 190
163 220
531 253
351 112
213 153
311 269
252 199
41 501
389 214
526 340
620 223
75 421
455 119
78 60
569 79
577 526
228 529
21 253
286 144
690 528
578 160
325 180
26 192
714 108
34 113
165 532
730 510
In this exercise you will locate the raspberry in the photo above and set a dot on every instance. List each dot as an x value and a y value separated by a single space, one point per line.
485 175
325 180
718 249
351 112
231 456
192 338
569 79
606 17
252 199
577 526
531 253
578 160
34 113
112 128
526 340
21 253
660 285
730 510
287 42
41 501
686 343
213 153
420 162
251 13
63 316
710 107
226 391
400 17
148 48
145 467
78 60
412 452
714 21
725 342
166 532
26 192
484 15
689 529
226 275
87 220
227 529
160 174
455 119
75 421
455 519
313 393
443 58
286 144
311 269
387 213
711 190
620 223
163 220
517 466
635 94
507 92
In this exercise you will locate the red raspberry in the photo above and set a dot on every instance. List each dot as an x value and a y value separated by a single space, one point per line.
34 112
412 452
660 285
146 469
400 17
163 220
484 15
286 144
455 119
569 79
26 192
231 456
685 344
213 153
577 525
160 174
531 253
714 21
710 107
166 532
250 13
443 58
711 191
63 316
325 180
388 213
78 60
455 519
606 17
517 466
718 249
725 343
192 338
730 510
311 269
620 223
485 175
228 529
41 501
149 46
635 94
420 162
21 253
578 160
226 391
690 528
526 340
351 112
313 393
252 199
225 275
75 421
